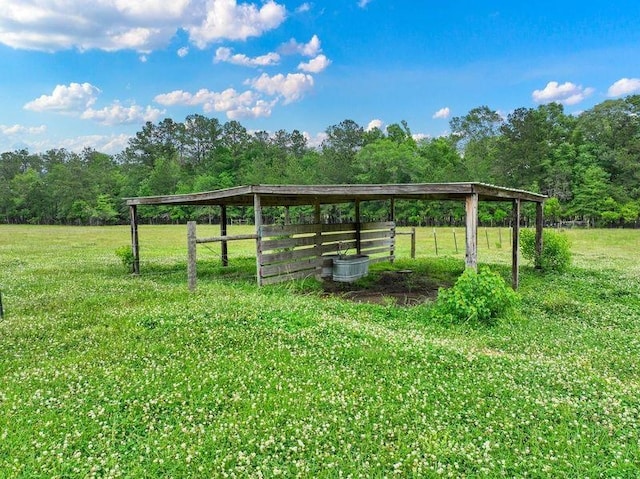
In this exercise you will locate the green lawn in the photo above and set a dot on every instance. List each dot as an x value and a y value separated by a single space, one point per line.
107 375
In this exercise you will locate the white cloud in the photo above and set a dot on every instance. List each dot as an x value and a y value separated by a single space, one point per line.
105 144
442 113
71 98
225 19
77 99
376 123
143 58
291 87
117 114
315 141
624 86
260 109
229 100
568 93
363 3
315 65
305 7
183 52
176 97
141 25
110 144
235 104
14 130
224 54
421 136
310 49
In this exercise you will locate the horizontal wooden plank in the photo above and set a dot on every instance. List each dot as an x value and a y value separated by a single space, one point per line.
366 235
288 277
328 228
335 238
376 243
269 245
288 230
379 225
291 267
333 247
217 239
270 258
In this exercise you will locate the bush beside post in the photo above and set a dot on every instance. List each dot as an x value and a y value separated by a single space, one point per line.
556 251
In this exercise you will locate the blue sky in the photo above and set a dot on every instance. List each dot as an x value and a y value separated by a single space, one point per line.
77 73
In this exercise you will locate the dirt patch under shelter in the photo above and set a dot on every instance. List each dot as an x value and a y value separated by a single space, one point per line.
401 287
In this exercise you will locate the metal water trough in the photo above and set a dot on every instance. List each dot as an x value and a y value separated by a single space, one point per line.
347 269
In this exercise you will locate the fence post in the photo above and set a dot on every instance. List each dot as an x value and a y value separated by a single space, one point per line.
435 240
191 253
224 250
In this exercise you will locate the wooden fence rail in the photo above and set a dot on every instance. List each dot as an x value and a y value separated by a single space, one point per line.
286 252
413 240
192 241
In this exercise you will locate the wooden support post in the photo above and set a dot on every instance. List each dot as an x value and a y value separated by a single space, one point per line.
413 243
135 246
257 212
224 250
392 217
317 220
539 230
191 255
471 255
287 216
358 227
515 253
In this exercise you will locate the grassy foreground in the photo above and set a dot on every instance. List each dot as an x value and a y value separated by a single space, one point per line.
107 375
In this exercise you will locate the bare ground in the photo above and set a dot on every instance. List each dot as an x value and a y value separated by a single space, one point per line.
404 288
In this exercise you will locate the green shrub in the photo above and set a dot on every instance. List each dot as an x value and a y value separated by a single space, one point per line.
477 297
125 253
556 251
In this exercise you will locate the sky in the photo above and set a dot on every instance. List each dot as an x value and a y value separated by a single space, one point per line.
78 73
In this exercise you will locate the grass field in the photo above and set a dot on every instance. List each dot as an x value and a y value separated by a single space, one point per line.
107 375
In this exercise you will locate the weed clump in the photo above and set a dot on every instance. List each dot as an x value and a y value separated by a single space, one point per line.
556 250
125 253
476 297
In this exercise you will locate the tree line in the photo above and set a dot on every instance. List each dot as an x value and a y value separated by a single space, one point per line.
588 164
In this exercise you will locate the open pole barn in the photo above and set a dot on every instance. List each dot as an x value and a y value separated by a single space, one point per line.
285 252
